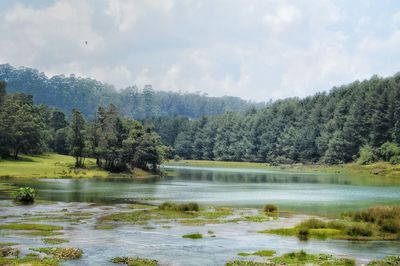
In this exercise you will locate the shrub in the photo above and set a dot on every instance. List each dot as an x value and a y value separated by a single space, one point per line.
391 226
377 214
183 207
367 155
358 230
177 158
270 208
303 234
24 195
313 224
390 151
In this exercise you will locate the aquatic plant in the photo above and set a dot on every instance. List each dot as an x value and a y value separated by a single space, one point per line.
61 253
261 253
390 260
134 261
193 236
24 195
184 207
54 241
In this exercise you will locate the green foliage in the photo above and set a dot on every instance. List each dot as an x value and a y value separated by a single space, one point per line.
379 222
77 137
134 261
367 155
61 253
183 207
24 195
270 208
389 260
390 152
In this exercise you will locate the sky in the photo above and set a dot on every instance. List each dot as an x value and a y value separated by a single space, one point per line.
254 49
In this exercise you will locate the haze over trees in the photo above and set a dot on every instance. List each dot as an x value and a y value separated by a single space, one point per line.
85 94
362 118
118 143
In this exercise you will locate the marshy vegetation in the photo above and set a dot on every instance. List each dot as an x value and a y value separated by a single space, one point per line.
297 259
375 223
134 261
24 195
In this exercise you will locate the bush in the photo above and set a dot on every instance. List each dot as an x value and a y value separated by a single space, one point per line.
177 158
359 230
391 226
313 224
303 234
183 207
24 195
390 152
367 155
377 214
270 208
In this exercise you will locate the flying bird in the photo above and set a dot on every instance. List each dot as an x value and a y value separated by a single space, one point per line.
86 42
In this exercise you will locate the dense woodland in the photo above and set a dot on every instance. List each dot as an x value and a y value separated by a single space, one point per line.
85 94
117 143
361 119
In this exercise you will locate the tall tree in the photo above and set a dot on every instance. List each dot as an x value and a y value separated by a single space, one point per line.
77 137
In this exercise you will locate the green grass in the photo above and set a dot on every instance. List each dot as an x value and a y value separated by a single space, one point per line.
261 253
61 253
134 261
382 169
104 227
302 258
54 241
56 166
375 223
7 244
193 236
28 227
297 259
29 260
390 260
142 216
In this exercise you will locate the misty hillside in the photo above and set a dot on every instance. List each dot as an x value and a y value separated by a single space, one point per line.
87 94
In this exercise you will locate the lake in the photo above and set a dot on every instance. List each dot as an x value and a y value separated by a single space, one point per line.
297 192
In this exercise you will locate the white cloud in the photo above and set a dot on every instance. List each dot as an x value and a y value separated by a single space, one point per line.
126 13
254 49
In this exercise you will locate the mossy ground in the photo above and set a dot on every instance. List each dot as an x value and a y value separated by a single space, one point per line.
56 166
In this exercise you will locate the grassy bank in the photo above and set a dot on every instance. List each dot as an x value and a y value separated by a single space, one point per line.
382 169
56 166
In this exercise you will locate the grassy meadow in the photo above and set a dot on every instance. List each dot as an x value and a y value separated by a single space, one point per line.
55 166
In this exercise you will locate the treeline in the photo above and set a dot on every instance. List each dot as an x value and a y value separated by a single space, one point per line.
117 143
85 94
327 127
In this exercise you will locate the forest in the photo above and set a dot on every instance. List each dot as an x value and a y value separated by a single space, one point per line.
85 94
117 143
356 122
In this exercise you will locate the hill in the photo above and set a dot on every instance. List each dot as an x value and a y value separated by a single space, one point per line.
87 94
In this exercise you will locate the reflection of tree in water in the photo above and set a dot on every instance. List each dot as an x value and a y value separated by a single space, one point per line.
249 177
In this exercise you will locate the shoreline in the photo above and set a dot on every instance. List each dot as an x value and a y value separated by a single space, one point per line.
378 169
57 166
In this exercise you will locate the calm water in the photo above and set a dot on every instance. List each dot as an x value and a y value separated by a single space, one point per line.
304 193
